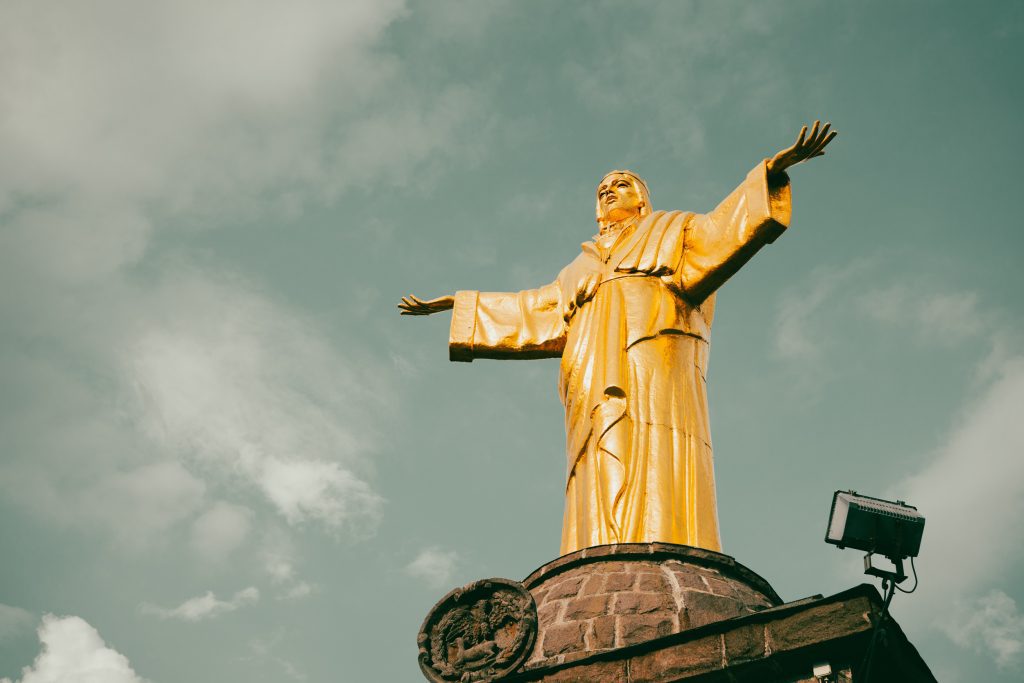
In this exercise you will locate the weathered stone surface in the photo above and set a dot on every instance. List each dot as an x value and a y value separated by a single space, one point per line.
593 585
566 588
744 644
598 672
704 608
627 594
619 581
690 579
481 631
671 663
654 582
825 621
563 638
638 628
548 613
644 603
602 633
586 607
807 632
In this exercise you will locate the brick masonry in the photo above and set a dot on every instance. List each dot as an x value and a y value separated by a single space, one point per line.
609 597
780 644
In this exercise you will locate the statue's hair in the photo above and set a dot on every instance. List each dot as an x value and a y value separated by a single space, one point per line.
638 184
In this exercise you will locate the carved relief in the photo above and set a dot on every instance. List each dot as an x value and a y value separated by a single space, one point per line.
479 632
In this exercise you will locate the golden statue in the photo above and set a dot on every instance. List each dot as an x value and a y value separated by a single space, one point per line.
630 318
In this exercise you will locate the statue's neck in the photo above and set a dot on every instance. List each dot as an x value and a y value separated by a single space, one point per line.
611 229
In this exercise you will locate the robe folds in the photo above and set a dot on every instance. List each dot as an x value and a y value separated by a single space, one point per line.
631 320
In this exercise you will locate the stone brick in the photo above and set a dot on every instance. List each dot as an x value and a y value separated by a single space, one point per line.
619 582
644 603
654 582
593 585
548 613
566 588
586 607
637 628
690 579
677 661
726 588
744 644
818 623
602 634
704 608
563 638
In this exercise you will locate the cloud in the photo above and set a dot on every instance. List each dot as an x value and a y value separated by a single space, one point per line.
14 620
990 625
74 651
433 565
936 315
263 652
970 487
972 495
254 392
219 531
798 329
206 606
279 563
117 141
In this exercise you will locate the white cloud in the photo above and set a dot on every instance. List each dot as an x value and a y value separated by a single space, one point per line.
798 330
990 625
219 531
14 620
298 590
206 606
253 392
433 565
972 496
74 652
935 315
201 114
263 652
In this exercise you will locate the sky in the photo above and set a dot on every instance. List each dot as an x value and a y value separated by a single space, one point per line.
225 457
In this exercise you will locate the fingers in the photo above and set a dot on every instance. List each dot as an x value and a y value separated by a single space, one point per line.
800 138
813 135
412 306
820 148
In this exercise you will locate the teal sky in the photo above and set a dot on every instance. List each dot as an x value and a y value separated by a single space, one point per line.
225 457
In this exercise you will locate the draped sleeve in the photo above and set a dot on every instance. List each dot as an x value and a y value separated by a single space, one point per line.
526 324
719 243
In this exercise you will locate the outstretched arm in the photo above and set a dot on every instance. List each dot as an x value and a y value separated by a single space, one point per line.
527 324
757 212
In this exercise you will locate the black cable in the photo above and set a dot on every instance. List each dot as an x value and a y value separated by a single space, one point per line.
914 569
890 591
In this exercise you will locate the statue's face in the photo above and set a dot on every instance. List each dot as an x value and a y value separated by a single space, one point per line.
618 198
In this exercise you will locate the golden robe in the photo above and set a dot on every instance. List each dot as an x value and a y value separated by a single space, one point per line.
631 321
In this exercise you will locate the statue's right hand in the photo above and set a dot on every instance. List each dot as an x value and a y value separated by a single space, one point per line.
412 305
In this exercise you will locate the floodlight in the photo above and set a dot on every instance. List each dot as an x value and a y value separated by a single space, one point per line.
892 529
889 528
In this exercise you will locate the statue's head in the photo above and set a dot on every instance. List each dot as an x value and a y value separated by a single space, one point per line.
621 195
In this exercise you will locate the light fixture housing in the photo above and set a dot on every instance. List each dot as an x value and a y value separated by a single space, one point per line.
889 528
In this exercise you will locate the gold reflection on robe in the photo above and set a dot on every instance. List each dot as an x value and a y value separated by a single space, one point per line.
630 318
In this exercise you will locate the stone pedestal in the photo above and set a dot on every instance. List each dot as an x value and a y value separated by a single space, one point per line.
658 613
607 597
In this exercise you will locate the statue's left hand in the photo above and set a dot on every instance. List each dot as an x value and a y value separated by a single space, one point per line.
807 146
412 305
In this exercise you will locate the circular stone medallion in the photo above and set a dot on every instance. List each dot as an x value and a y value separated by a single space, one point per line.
481 631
